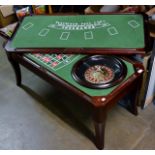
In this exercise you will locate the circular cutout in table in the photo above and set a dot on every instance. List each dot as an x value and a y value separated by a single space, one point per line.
99 71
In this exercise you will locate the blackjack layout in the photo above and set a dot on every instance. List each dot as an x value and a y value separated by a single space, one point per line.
59 34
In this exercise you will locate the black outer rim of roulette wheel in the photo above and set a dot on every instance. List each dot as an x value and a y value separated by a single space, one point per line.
117 66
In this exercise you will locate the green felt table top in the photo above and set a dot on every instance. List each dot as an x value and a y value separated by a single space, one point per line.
63 70
81 31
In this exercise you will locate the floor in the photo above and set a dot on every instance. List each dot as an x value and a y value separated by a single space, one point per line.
37 116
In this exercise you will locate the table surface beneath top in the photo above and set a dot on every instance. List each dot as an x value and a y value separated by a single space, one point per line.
63 70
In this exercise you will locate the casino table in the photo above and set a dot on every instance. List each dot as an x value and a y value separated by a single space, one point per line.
50 46
101 100
99 34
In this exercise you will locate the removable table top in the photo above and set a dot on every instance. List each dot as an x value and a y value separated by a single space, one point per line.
87 34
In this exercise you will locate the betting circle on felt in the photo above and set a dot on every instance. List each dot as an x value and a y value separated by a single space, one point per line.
87 31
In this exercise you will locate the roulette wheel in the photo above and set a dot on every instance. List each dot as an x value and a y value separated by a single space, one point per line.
99 71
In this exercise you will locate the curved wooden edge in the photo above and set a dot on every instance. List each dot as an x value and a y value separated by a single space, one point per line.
124 88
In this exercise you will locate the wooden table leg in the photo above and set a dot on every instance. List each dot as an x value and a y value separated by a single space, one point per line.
99 124
134 97
133 100
16 68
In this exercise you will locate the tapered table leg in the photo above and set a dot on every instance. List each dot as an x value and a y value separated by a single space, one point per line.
16 69
133 100
99 124
134 97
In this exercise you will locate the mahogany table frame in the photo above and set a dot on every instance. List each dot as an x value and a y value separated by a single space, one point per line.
100 104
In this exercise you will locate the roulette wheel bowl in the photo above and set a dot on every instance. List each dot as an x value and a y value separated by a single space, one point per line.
99 71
